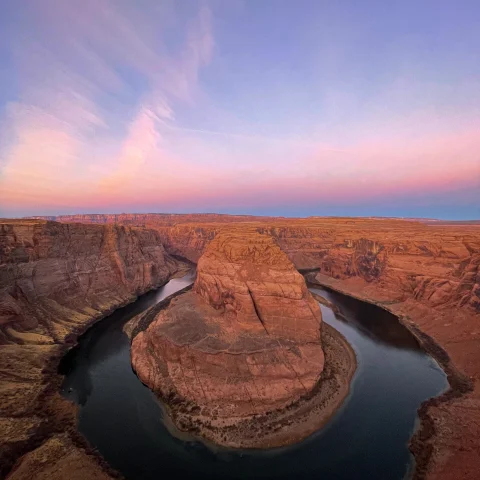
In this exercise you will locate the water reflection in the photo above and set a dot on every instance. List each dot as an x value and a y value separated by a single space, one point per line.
374 322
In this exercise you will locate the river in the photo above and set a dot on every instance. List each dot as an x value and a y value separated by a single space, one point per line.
366 439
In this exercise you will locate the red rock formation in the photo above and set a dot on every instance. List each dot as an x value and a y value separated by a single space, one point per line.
249 275
244 342
428 272
403 253
53 275
55 280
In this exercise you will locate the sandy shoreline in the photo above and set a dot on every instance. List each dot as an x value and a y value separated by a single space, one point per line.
280 427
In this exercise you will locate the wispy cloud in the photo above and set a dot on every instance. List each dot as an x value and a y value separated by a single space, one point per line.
141 143
70 65
176 105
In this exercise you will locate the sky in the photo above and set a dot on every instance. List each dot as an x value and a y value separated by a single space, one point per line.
266 107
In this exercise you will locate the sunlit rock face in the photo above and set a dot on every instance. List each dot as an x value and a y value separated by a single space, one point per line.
244 341
433 263
56 277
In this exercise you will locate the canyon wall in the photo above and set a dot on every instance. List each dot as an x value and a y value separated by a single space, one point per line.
426 272
433 262
55 280
434 265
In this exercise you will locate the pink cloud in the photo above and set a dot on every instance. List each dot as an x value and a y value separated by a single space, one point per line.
148 175
140 145
39 162
58 128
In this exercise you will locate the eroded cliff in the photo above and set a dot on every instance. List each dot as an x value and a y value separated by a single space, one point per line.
425 272
55 280
433 262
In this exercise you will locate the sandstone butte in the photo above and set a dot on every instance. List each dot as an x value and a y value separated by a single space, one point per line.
427 273
244 342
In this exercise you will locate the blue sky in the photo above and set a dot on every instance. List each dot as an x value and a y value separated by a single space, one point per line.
271 107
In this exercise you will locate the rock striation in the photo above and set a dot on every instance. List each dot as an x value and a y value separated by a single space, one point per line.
434 262
54 275
244 342
434 265
55 280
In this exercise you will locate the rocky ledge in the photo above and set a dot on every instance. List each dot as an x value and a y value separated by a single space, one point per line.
240 359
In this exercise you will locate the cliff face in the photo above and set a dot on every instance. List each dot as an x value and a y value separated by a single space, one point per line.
432 261
244 342
436 266
55 275
55 279
250 276
425 272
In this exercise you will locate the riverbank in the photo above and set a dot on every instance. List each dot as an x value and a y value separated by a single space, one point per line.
432 443
48 430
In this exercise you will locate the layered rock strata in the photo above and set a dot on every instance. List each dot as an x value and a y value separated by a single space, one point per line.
426 272
246 341
55 280
433 262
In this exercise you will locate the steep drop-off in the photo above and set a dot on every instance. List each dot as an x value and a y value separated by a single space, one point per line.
245 342
426 272
431 262
55 280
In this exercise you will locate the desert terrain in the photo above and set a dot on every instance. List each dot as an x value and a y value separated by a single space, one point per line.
60 275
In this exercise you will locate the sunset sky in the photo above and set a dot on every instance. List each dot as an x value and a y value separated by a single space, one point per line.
283 107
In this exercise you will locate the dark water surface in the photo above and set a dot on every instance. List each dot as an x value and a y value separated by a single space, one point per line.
366 439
